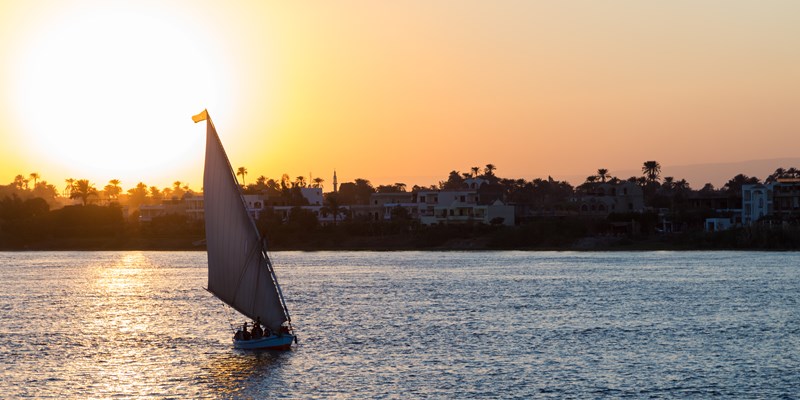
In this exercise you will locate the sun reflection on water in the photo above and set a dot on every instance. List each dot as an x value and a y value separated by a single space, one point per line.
123 321
123 277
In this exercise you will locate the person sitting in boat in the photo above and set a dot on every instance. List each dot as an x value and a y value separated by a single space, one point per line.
257 332
245 335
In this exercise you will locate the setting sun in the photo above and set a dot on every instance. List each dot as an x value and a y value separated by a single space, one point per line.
110 88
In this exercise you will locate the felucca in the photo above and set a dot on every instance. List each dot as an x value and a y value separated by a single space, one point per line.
240 272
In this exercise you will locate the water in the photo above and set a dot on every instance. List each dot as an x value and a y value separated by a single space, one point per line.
409 325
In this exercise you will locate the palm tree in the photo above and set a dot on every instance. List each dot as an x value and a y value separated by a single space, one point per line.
669 183
602 173
112 190
300 181
333 206
82 189
475 171
651 170
242 171
35 177
155 193
779 173
68 189
318 182
19 181
489 170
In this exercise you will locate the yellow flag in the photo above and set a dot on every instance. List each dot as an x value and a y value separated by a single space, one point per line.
200 117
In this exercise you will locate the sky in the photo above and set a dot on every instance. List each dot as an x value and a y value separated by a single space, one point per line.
401 91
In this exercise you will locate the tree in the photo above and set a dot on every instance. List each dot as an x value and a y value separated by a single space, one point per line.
68 189
45 191
333 207
602 173
35 178
138 195
242 171
300 181
475 171
155 194
286 183
112 190
82 189
454 181
177 190
19 181
489 170
781 173
363 190
318 182
734 186
708 188
651 170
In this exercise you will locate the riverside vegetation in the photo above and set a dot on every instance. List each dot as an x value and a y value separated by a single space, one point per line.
30 218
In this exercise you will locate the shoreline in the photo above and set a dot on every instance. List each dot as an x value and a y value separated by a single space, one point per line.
583 245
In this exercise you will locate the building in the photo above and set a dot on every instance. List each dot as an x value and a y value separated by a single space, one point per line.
777 201
167 207
786 199
384 205
460 207
756 202
603 198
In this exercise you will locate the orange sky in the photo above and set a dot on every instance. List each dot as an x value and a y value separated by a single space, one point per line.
394 91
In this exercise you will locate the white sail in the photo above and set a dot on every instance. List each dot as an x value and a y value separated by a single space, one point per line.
239 270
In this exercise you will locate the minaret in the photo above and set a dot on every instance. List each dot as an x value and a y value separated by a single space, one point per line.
335 184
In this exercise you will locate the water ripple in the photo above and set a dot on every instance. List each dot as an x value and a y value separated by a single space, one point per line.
409 324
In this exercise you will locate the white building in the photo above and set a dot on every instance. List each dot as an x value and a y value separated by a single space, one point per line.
313 195
460 206
756 202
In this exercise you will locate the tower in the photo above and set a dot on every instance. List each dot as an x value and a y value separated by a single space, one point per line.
335 183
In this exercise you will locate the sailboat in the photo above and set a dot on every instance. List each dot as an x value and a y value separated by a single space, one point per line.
240 272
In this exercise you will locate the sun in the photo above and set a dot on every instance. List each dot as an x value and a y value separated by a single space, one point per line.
110 89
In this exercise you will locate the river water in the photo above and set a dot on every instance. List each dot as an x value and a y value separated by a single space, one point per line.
408 325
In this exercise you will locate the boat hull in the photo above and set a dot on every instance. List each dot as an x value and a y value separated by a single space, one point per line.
283 342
